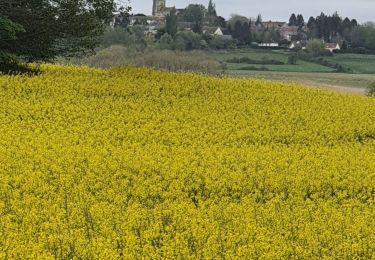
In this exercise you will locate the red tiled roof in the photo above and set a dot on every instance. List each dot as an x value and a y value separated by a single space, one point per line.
329 45
289 29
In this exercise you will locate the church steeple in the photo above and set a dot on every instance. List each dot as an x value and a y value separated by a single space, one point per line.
158 8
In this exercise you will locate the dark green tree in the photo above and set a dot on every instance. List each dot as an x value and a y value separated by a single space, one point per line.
211 9
220 21
233 20
300 22
334 23
345 26
41 29
354 23
315 47
171 23
241 32
122 19
212 14
8 32
311 23
293 20
293 58
363 36
312 28
259 21
237 30
195 13
322 27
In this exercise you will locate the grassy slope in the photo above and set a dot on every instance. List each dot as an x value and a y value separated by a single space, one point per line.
306 72
359 63
356 83
302 66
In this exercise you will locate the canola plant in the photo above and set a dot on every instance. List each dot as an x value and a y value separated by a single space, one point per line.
133 163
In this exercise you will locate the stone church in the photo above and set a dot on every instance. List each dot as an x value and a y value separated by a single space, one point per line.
159 9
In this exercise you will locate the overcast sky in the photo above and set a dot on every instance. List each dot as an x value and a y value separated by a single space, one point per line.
362 10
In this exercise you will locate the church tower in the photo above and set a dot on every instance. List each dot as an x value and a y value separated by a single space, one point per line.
158 8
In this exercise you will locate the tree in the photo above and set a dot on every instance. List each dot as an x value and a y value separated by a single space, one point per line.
165 41
334 23
8 32
123 17
259 21
345 25
185 40
218 42
195 13
311 25
292 59
212 14
171 23
300 22
293 20
315 47
237 30
322 28
270 35
344 45
371 90
211 9
234 19
243 33
220 21
354 23
240 29
363 36
248 38
42 30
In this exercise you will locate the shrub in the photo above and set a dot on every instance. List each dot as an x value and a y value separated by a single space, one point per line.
315 47
371 90
179 61
186 41
134 38
263 68
219 42
165 41
264 61
292 59
116 56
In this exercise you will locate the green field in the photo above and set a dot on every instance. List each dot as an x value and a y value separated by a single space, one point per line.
309 73
359 63
301 66
354 83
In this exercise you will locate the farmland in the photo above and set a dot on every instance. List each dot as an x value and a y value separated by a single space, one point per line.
362 69
137 163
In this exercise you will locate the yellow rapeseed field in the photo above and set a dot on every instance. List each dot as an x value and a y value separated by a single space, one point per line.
140 164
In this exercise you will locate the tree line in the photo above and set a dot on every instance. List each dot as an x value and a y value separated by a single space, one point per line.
329 28
37 30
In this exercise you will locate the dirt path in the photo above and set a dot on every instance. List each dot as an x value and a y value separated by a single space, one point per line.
339 82
336 88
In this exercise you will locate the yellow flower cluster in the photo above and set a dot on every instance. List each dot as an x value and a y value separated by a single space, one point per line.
134 163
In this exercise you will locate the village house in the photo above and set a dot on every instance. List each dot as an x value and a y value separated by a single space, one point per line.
274 25
268 44
287 32
218 32
298 44
332 46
